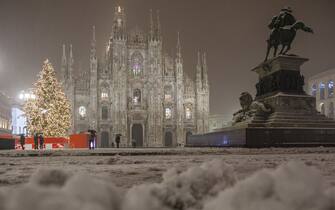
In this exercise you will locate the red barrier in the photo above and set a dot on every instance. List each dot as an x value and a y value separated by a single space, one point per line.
79 140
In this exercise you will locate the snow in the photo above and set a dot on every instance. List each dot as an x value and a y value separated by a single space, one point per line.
291 186
183 190
181 179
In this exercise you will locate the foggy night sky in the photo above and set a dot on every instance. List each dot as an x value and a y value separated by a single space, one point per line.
232 32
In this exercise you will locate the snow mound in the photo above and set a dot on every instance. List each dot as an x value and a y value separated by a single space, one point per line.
185 190
55 189
210 186
46 177
293 186
119 160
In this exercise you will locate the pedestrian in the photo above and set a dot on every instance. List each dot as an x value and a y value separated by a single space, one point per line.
35 141
117 140
94 140
90 141
22 141
41 141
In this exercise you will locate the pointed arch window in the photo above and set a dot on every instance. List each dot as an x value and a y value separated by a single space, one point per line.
330 89
322 91
82 112
188 113
137 96
314 89
168 93
104 95
168 113
104 113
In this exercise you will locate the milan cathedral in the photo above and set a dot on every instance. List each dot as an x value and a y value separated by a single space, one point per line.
137 90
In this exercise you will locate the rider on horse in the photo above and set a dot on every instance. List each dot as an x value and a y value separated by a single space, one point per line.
285 18
284 28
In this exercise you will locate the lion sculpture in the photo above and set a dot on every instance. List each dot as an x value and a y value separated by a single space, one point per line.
250 108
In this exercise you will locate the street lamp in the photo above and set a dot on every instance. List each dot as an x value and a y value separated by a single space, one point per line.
26 95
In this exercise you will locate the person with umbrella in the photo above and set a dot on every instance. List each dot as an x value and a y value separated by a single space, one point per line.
91 139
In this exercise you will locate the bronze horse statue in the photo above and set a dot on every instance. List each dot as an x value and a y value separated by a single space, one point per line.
284 37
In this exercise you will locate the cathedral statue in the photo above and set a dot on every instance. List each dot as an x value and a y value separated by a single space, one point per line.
136 89
284 28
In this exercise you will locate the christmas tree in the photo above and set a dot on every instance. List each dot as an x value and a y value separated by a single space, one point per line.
49 112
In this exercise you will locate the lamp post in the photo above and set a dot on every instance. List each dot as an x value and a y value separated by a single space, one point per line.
26 95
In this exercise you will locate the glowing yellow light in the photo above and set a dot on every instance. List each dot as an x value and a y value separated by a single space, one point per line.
119 9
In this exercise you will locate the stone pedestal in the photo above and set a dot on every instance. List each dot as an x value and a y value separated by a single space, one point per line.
280 74
293 120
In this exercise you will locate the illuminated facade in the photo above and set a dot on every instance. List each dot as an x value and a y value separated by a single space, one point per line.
5 114
322 87
137 90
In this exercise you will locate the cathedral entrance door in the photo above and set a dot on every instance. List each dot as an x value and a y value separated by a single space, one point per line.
137 134
188 134
168 139
104 139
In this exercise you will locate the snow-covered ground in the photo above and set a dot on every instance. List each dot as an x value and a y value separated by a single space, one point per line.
193 178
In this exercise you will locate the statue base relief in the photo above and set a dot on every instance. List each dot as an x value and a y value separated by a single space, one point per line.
288 116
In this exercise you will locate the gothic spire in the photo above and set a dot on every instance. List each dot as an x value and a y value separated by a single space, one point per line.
199 72
199 60
71 53
204 70
119 23
179 56
93 44
158 26
70 64
151 25
93 31
64 66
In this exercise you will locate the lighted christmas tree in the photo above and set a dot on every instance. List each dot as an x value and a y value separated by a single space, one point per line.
49 112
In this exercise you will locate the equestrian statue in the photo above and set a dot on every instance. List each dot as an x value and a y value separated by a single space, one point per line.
284 28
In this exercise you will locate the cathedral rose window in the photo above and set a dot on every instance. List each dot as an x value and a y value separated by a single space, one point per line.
136 63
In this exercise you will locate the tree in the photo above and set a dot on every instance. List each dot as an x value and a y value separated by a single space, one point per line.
49 112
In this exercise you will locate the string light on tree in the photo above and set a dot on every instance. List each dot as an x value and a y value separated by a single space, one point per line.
49 111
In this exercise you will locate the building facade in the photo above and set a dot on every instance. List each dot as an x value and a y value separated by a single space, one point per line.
137 90
5 114
322 87
19 121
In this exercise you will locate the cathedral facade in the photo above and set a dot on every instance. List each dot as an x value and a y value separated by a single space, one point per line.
137 90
